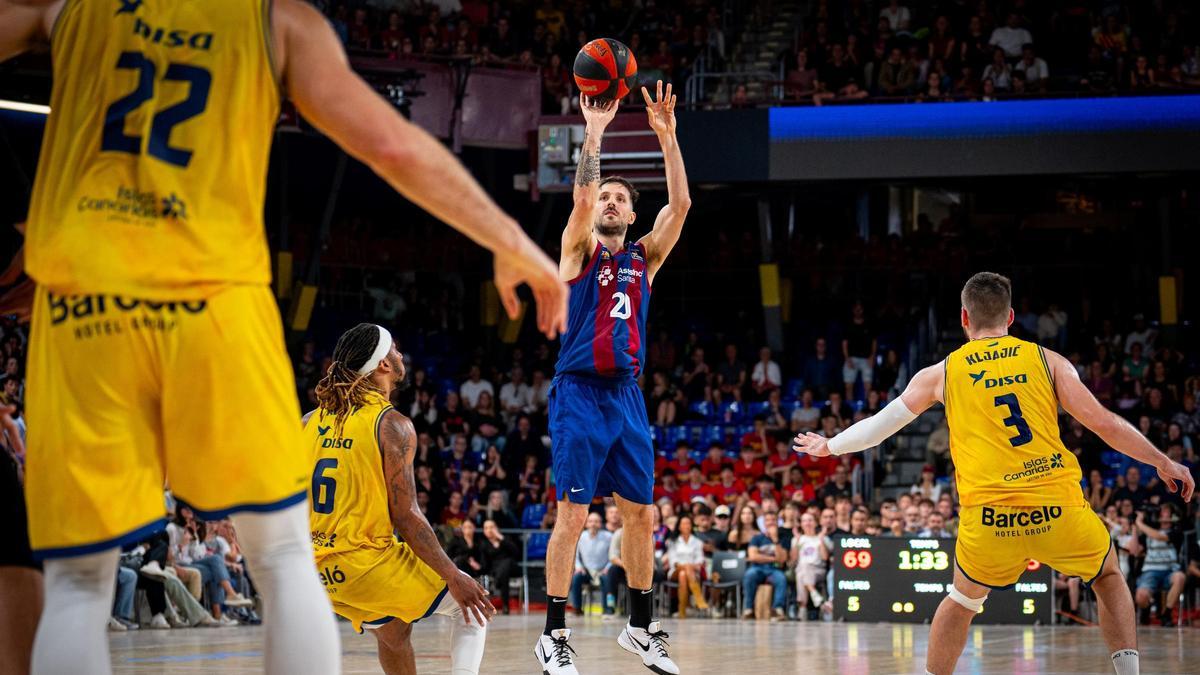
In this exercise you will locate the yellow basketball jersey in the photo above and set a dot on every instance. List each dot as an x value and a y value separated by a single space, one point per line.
348 494
154 160
1003 415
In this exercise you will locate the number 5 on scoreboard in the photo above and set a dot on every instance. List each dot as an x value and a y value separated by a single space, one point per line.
852 604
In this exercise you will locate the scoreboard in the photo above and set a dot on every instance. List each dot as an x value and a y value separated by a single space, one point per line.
904 580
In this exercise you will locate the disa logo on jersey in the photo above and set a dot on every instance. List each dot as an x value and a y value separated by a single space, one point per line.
1002 381
172 37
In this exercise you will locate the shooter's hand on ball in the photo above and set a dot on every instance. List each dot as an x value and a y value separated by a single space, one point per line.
813 444
596 113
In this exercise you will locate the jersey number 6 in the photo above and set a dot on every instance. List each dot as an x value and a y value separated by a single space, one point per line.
323 499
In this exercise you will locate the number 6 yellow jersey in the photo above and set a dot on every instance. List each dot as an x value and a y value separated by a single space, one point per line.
1004 438
153 165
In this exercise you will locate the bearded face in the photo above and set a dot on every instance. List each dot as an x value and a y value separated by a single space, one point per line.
396 361
614 210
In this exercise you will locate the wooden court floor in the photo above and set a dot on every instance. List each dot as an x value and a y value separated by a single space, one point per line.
699 646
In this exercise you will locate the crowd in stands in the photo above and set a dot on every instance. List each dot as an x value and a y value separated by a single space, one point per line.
668 37
931 50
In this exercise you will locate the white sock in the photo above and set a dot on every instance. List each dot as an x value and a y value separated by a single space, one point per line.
1125 662
71 636
466 640
302 636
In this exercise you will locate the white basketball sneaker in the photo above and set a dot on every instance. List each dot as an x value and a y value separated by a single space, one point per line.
554 655
650 644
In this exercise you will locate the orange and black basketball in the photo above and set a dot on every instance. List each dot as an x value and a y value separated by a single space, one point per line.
605 69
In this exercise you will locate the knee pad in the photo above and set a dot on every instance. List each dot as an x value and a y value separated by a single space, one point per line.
973 605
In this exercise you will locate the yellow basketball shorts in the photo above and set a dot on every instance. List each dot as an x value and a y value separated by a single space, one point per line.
126 397
996 543
371 587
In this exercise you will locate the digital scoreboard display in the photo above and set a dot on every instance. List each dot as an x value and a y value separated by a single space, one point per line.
904 580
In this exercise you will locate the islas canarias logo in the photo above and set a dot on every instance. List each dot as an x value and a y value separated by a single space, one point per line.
1037 467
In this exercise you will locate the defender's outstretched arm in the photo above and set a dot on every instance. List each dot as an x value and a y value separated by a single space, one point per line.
923 390
1113 429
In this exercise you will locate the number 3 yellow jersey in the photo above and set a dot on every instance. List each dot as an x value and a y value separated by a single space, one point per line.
349 495
1003 415
153 165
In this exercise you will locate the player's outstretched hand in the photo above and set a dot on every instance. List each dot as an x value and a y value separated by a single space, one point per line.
598 113
813 444
472 598
530 265
1173 474
660 110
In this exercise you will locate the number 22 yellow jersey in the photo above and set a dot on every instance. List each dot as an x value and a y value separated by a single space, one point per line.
153 166
1004 437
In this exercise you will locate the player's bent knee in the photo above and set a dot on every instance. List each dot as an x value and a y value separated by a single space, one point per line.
395 635
970 604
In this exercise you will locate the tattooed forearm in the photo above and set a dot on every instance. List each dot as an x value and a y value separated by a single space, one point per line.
588 171
397 441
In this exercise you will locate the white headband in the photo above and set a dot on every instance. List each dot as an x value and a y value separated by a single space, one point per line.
381 350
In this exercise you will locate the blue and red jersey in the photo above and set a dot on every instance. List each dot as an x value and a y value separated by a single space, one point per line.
606 320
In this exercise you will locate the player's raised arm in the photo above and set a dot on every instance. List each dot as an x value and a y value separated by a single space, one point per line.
397 442
579 239
669 224
318 78
1113 429
923 390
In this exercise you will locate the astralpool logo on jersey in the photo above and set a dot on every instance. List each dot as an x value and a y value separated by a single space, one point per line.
1003 380
1036 467
129 201
628 275
604 276
993 355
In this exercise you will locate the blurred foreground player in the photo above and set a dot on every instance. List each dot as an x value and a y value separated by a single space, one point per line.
363 490
20 574
157 351
598 424
1020 487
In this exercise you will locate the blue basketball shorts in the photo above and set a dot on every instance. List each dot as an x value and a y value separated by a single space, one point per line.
600 440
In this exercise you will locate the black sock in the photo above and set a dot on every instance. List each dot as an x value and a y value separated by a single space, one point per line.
639 606
556 613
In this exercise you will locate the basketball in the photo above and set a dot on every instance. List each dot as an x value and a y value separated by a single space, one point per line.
605 69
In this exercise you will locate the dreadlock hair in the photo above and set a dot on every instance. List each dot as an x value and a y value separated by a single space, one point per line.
342 390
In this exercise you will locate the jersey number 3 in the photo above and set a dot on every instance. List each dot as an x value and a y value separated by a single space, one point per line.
114 138
1015 420
622 310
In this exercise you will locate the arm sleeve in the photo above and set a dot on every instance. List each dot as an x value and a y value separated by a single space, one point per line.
872 431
